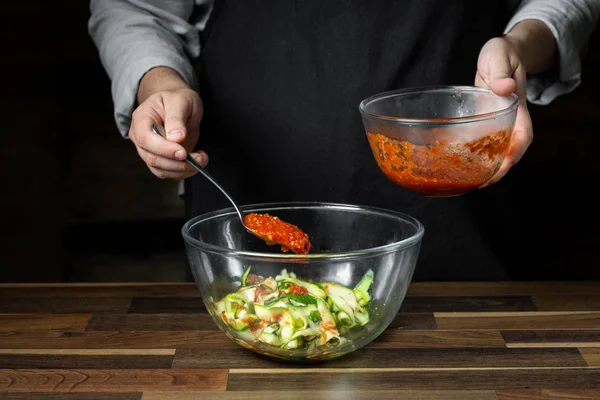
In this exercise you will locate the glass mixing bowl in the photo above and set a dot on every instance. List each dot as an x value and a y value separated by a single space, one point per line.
439 141
347 242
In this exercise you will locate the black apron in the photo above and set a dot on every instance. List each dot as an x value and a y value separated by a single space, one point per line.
281 81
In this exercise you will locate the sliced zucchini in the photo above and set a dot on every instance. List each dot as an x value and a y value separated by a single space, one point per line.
271 314
238 324
279 303
345 310
233 306
248 294
326 317
284 275
234 298
362 297
365 283
361 316
287 327
244 322
245 275
332 306
247 334
292 344
293 302
302 300
311 287
301 338
344 319
336 341
270 298
300 320
327 337
315 316
272 328
309 333
301 314
270 338
270 284
242 312
220 306
361 291
334 291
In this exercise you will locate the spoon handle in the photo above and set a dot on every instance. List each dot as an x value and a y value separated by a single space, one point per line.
159 130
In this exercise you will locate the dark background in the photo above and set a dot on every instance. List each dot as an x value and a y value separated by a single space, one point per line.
79 205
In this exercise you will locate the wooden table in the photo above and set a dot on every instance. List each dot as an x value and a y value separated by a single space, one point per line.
156 341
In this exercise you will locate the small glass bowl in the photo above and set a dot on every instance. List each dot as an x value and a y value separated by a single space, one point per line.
439 141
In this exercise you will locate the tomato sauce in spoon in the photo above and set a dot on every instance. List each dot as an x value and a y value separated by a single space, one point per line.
276 231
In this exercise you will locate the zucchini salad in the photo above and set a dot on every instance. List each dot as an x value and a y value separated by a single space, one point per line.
292 313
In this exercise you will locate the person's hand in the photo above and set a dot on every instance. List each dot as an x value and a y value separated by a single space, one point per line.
179 109
500 68
503 66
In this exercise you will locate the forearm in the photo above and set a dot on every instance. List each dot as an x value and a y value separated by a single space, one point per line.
135 36
159 79
571 22
535 45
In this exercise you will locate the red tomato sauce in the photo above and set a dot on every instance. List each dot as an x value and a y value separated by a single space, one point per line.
297 289
275 231
259 290
253 323
441 168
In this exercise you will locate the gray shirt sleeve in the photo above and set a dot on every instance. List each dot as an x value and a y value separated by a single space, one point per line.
572 23
134 36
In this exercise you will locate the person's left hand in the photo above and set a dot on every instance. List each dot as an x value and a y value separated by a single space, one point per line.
500 68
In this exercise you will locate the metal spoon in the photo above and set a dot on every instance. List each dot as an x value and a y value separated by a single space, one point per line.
159 130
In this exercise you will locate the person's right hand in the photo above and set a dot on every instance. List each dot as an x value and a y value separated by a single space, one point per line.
179 110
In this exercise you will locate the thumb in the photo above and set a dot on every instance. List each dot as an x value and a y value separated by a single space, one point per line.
495 68
177 112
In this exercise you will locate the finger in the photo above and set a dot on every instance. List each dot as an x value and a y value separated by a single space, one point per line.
521 139
522 136
521 80
164 174
501 86
177 112
155 161
177 171
500 75
479 80
200 157
495 69
143 137
523 133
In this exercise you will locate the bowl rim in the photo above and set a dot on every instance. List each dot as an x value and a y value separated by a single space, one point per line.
436 121
273 206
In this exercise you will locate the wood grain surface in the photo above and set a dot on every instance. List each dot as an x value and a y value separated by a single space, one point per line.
488 341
